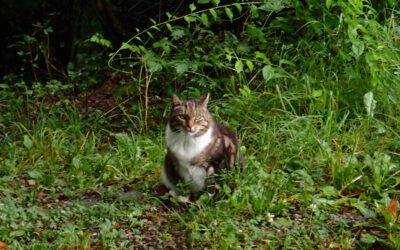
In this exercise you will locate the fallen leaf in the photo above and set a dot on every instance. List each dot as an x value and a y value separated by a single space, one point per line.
3 245
392 208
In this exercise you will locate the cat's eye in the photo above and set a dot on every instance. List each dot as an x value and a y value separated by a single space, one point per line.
182 116
199 119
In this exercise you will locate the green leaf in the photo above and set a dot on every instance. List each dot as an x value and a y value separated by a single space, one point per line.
204 19
203 1
254 11
192 7
262 56
369 103
330 191
150 34
76 162
274 6
366 212
250 65
358 48
178 33
98 38
189 19
328 4
238 7
17 233
154 66
239 66
268 72
181 67
155 27
281 223
27 142
229 13
256 32
169 27
215 2
214 14
153 21
367 238
132 48
35 174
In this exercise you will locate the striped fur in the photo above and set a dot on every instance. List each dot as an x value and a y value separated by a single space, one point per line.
197 146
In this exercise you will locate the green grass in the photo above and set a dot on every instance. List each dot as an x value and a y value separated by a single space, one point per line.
313 181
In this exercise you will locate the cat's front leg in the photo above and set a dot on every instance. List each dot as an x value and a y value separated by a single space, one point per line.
169 176
171 179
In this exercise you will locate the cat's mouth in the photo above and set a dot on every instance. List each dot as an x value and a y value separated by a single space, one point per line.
191 131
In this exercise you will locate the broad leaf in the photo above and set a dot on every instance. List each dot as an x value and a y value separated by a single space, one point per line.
239 66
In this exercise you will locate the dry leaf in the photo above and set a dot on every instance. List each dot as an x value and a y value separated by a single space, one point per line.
392 208
3 245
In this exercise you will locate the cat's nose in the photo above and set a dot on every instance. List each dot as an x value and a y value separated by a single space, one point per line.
190 123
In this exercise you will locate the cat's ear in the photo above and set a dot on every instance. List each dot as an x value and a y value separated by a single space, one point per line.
203 101
175 100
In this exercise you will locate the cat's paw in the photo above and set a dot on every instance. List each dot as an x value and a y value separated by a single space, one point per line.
180 198
183 199
173 193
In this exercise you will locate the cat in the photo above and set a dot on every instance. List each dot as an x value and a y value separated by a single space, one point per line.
198 147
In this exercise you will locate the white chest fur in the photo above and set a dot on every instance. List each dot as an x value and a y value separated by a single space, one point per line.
185 147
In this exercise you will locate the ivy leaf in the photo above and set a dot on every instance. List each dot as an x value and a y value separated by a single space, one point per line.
229 13
239 66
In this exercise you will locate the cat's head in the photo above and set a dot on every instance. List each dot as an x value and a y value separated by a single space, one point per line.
190 116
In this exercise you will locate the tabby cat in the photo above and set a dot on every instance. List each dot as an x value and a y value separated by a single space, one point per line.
197 146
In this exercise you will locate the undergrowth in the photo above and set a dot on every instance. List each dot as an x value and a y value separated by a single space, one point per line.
315 109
